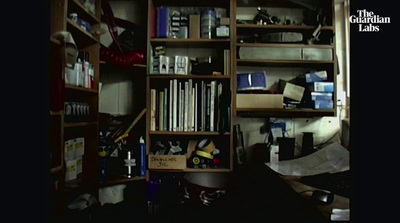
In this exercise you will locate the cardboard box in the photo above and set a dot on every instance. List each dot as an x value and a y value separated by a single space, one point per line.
259 101
194 26
293 91
167 162
224 21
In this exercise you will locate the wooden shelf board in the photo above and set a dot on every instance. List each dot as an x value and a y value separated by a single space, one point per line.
82 37
76 88
281 27
306 112
79 124
78 7
186 133
203 43
135 65
119 179
282 63
215 170
189 76
285 45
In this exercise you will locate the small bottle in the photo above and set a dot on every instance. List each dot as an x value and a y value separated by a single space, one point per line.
142 167
78 70
129 172
102 160
91 76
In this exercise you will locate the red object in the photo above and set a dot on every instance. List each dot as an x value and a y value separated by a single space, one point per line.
117 57
121 60
216 161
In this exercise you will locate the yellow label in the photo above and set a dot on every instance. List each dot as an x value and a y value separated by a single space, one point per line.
70 168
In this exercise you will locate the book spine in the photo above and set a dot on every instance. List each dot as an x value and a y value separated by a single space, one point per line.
179 111
175 105
203 106
208 103
196 103
161 111
170 105
192 110
186 107
165 113
153 104
212 104
162 22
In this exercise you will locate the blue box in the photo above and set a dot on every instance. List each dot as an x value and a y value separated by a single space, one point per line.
321 96
316 76
83 24
252 81
323 87
323 104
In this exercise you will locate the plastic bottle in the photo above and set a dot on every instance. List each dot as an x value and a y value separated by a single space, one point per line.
142 167
79 75
102 160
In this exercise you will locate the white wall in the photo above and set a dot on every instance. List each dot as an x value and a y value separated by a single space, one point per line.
117 92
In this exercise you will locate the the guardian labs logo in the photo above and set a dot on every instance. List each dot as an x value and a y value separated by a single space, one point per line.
368 21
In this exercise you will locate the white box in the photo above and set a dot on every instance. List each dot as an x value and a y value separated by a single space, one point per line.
69 150
163 64
79 162
317 54
79 146
70 170
270 53
181 65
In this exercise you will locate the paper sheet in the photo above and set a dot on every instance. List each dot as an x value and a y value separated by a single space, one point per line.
340 214
332 158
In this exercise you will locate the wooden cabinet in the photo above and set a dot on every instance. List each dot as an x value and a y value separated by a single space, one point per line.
312 51
73 172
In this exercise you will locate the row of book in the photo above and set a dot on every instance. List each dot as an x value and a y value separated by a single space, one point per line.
186 106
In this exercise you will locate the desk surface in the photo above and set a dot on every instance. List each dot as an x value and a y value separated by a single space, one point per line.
339 202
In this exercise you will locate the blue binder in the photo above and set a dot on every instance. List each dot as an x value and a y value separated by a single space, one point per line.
162 22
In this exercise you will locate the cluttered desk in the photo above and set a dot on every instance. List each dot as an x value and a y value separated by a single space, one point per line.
322 177
283 191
